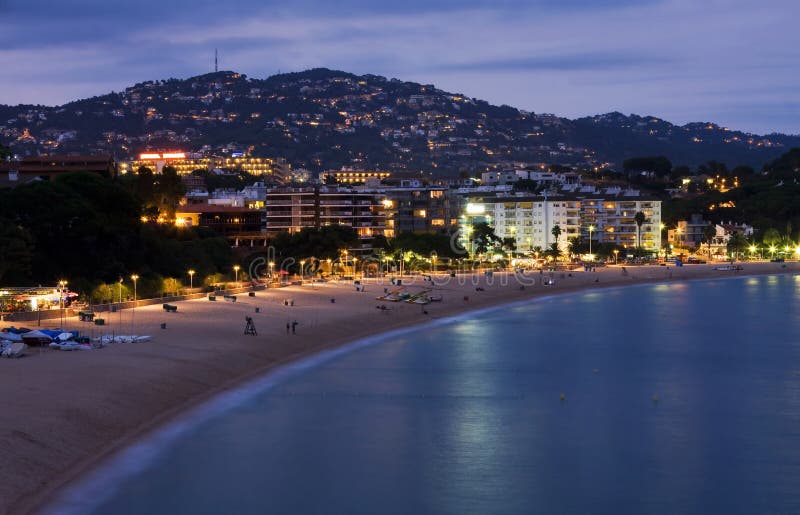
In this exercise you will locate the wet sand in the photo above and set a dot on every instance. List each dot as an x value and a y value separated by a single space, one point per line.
64 412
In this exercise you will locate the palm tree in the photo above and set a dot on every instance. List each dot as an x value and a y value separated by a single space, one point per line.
708 235
556 232
639 218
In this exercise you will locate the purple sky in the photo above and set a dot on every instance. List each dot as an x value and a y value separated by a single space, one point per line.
733 62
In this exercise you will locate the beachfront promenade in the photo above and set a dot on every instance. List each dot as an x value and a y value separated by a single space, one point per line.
64 411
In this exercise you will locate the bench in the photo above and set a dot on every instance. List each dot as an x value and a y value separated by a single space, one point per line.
212 298
169 308
85 317
230 298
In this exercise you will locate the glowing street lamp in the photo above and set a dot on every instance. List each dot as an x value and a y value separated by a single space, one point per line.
272 268
62 285
236 269
355 266
191 278
591 230
616 254
134 278
302 269
772 250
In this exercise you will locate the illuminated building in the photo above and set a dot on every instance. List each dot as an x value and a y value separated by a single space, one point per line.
293 209
530 220
185 164
46 168
351 177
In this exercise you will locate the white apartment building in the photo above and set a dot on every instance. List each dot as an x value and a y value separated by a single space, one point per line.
530 219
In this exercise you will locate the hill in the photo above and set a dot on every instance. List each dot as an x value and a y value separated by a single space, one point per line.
322 119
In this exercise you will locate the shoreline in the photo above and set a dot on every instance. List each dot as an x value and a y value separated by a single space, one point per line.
65 473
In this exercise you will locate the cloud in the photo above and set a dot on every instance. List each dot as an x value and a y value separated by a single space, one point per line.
570 62
677 59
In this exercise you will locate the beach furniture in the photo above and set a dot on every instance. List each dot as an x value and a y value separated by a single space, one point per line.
229 298
99 321
212 298
169 308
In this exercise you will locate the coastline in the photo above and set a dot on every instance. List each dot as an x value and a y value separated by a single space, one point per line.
184 367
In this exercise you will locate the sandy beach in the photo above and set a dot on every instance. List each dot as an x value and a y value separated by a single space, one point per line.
64 412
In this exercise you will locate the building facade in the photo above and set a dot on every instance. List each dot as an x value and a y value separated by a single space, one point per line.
291 209
530 220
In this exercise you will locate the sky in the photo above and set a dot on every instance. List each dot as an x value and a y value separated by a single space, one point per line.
733 62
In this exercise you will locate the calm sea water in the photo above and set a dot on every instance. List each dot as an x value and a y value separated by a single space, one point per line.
466 418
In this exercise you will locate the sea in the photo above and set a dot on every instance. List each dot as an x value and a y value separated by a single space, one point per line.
679 398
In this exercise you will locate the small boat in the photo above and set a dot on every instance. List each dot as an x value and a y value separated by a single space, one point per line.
394 296
14 350
728 268
419 298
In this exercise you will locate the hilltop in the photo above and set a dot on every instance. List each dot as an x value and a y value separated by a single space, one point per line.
322 119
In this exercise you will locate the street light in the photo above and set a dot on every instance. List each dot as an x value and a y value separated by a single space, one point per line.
135 278
271 269
62 284
772 250
591 230
355 267
616 254
236 272
119 306
191 279
302 270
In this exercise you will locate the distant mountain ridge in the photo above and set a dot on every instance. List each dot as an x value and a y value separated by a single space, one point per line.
322 119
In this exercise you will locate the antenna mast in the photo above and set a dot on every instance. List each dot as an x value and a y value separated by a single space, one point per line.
216 61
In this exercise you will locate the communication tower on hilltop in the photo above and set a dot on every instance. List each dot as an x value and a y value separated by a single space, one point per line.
216 61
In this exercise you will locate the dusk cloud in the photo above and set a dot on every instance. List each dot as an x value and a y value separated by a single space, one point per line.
733 61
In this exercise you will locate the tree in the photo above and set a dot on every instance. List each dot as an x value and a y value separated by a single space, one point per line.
771 237
16 253
709 233
169 190
484 238
736 244
556 232
5 153
658 165
171 285
639 218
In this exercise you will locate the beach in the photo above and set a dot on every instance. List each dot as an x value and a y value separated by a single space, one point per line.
64 412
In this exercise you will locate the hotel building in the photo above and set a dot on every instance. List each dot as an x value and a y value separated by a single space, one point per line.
292 209
530 220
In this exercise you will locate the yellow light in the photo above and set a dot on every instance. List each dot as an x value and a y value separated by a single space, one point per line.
475 209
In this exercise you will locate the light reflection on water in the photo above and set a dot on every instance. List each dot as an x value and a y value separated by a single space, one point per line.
679 398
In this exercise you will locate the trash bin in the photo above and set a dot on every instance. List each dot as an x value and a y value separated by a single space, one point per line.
252 294
258 310
164 325
99 321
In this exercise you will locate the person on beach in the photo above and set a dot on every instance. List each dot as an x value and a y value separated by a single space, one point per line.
294 327
287 327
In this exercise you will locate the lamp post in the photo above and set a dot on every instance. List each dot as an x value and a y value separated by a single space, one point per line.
236 273
591 230
616 255
302 270
271 269
434 255
355 267
752 251
119 308
191 279
62 284
135 278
